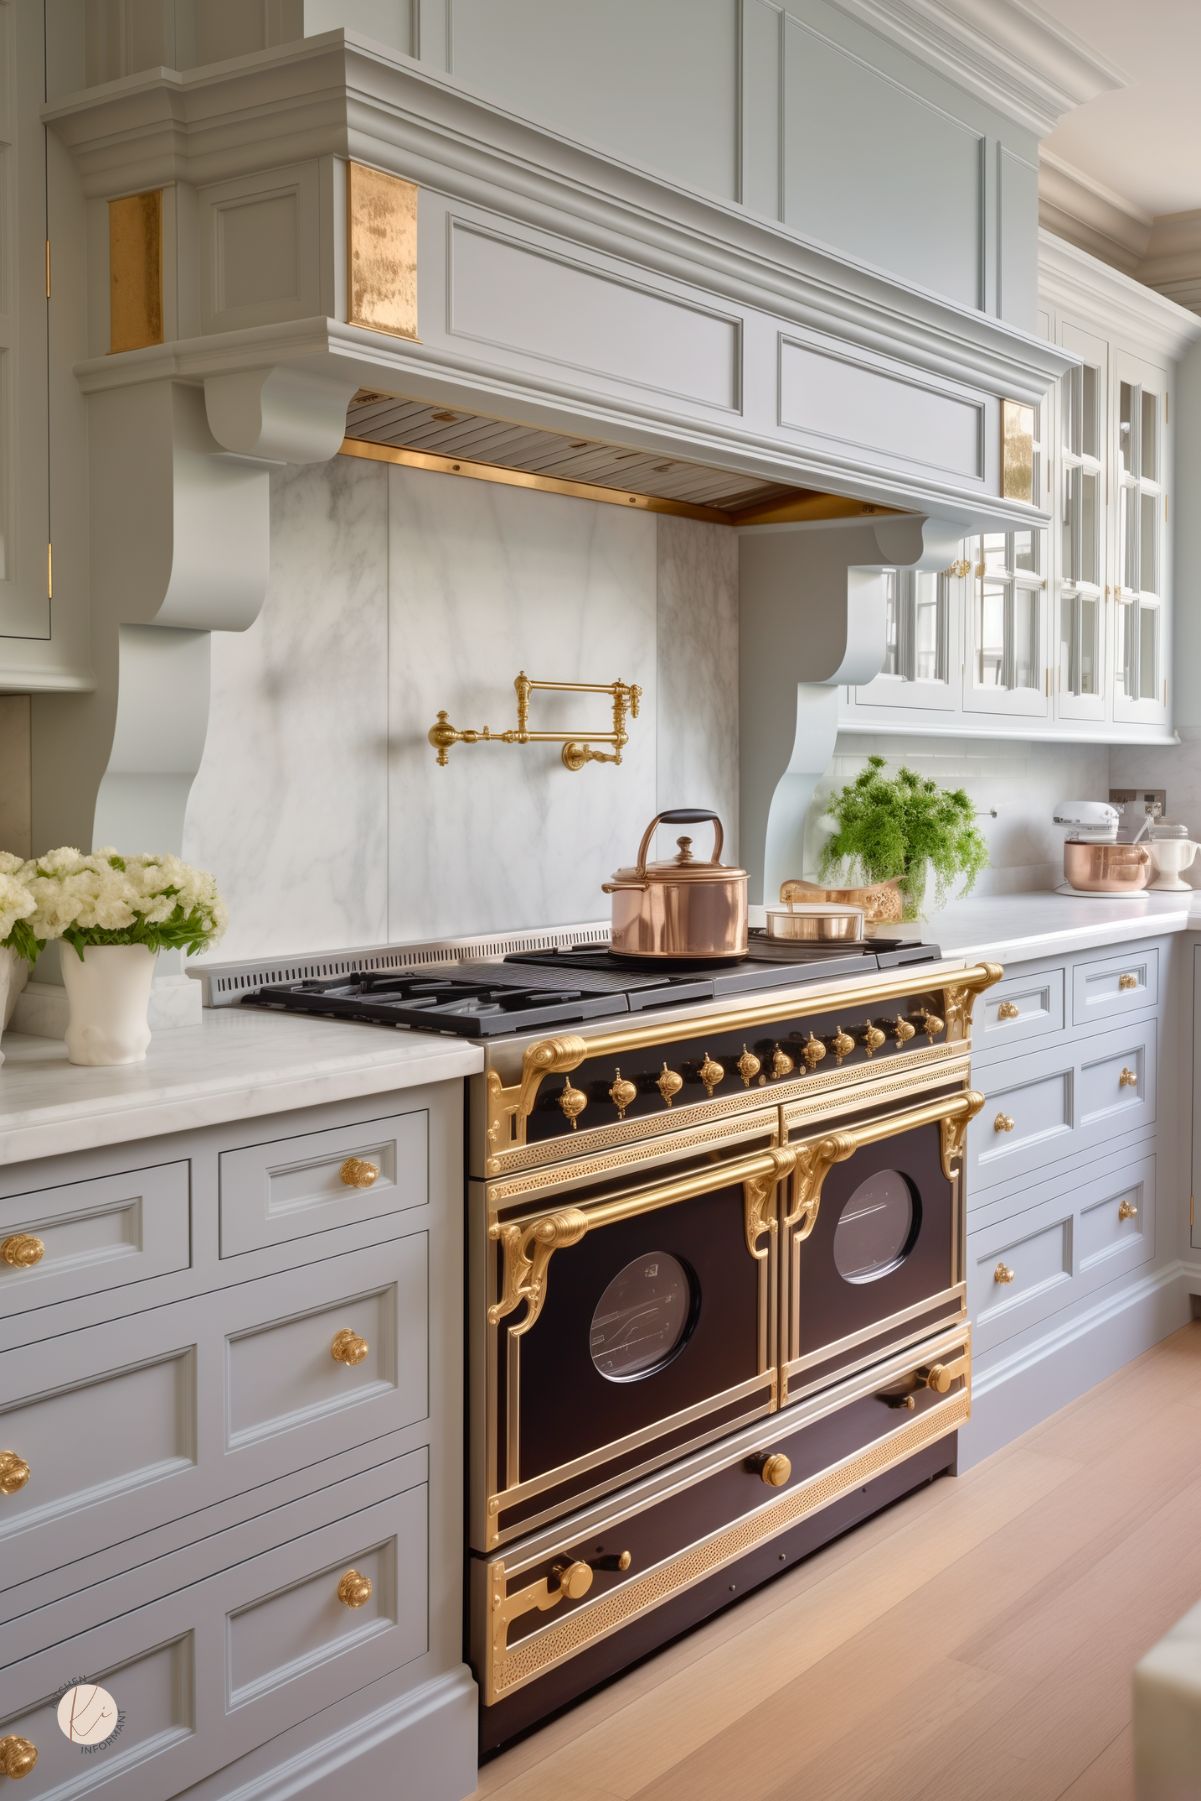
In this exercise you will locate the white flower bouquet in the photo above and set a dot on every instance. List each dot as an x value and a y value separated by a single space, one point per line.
159 902
17 907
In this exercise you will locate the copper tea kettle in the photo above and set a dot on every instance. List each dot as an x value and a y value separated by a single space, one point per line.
684 907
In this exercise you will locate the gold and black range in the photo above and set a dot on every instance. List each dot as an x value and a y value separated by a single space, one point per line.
717 1306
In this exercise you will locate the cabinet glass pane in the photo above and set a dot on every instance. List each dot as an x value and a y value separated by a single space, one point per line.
996 552
990 636
1081 527
1127 637
1090 414
1026 546
929 629
1128 556
1126 452
1089 678
1026 669
1148 544
1148 652
890 666
1149 438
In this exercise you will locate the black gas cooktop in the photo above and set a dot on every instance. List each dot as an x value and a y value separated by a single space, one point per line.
560 987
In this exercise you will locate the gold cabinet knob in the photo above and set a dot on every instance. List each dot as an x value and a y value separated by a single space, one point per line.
711 1073
781 1063
357 1172
17 1756
22 1250
939 1376
774 1469
1128 1078
842 1044
1008 1010
572 1580
813 1050
1127 981
622 1093
1127 1210
932 1025
348 1347
748 1066
14 1473
1004 1122
355 1589
903 1029
1002 1274
905 1402
873 1038
619 1561
572 1102
669 1084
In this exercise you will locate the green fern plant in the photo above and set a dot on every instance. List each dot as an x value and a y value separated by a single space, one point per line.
905 828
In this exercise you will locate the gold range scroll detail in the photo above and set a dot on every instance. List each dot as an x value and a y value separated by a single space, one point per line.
577 746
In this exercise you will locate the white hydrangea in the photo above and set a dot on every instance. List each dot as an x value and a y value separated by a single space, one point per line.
16 902
107 898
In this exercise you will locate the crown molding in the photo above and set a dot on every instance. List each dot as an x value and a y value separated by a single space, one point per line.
1075 279
1091 216
1006 52
1173 260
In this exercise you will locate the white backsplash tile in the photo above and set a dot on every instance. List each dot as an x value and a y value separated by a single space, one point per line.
698 672
1176 768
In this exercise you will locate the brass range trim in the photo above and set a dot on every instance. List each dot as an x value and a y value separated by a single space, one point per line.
509 1668
510 1107
803 505
947 1297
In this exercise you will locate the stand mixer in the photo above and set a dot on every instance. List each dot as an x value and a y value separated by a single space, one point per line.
1094 860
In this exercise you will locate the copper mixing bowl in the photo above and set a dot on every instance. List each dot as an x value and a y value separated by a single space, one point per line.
1107 868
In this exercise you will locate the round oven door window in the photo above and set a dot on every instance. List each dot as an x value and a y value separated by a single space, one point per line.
876 1228
643 1318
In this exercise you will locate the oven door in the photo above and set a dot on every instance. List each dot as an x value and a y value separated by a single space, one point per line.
622 1328
872 1239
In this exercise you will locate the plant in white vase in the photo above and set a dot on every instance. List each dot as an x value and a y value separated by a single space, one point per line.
19 946
116 914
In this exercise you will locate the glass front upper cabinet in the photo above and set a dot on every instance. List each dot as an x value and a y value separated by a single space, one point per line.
1005 662
1139 550
1080 591
921 642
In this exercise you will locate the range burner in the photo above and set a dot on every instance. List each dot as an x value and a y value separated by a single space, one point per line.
560 987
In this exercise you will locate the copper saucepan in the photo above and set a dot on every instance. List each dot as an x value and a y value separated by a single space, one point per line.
683 907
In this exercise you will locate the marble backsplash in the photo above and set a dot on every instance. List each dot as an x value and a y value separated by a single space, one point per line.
15 800
394 593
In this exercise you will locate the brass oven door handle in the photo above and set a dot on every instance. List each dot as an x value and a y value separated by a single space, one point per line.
816 1157
528 1245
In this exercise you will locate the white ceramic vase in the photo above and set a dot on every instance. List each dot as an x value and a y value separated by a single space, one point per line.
14 973
108 999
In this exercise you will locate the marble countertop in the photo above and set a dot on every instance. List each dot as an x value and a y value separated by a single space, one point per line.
232 1065
1016 928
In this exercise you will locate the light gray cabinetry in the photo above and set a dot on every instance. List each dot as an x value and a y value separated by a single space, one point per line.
237 1485
1071 1203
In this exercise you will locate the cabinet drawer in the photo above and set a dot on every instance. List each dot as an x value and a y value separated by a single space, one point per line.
1028 1118
88 1236
1069 1238
209 1672
123 1427
1021 1007
1105 986
293 1187
1117 1082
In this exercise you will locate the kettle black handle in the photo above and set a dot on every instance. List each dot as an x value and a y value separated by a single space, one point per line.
686 816
679 816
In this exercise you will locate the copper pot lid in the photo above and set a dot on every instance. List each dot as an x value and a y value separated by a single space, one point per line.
685 866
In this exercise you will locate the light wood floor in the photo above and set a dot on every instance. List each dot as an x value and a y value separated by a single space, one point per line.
975 1643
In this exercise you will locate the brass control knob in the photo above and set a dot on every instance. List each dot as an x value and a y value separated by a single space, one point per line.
22 1250
842 1044
1008 1010
873 1038
711 1073
17 1756
1002 1274
748 1066
1128 1078
939 1376
572 1102
357 1172
774 1469
348 1347
903 1029
781 1063
669 1084
355 1589
906 1401
813 1051
622 1093
932 1025
619 1561
573 1580
1127 1210
14 1473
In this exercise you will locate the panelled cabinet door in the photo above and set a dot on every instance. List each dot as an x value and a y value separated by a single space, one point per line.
1080 587
1005 668
1139 542
922 642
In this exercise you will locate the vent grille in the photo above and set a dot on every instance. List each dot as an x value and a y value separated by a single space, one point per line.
224 984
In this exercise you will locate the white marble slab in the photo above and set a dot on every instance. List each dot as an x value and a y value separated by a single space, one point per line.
486 581
290 806
233 1065
1016 928
698 672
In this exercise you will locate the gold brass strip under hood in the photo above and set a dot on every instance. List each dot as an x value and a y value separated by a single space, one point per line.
447 441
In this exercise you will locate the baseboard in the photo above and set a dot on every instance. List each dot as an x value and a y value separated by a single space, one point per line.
420 1745
1017 1392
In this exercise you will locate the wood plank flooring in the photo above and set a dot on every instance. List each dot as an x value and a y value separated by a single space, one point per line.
975 1643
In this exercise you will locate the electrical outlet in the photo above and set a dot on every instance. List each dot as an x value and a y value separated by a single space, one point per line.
1152 801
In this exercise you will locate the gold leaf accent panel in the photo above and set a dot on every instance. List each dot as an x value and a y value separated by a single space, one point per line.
381 251
135 271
